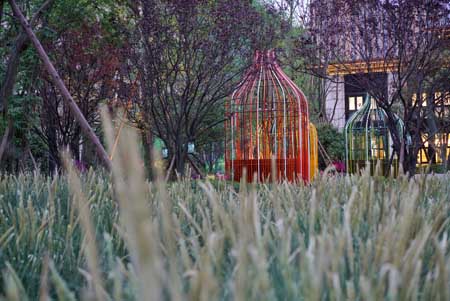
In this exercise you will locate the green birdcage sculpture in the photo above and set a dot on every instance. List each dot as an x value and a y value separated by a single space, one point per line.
368 140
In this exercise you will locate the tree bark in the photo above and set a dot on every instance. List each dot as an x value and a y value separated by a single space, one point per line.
401 159
20 45
412 159
179 151
147 140
169 170
12 68
5 138
180 160
88 131
195 167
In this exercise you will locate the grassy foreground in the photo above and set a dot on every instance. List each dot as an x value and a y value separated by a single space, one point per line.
92 237
340 238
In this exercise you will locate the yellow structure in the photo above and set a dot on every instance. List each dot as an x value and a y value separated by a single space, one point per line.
355 67
313 151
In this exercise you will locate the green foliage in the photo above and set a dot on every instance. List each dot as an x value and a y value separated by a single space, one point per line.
333 142
433 168
273 31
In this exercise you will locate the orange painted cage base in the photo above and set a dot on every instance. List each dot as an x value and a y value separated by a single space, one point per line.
265 169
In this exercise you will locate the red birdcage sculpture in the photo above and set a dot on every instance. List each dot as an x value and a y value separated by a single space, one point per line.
267 119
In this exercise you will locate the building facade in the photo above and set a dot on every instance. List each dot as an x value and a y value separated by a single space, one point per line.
406 68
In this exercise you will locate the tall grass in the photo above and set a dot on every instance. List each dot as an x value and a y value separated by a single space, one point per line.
119 237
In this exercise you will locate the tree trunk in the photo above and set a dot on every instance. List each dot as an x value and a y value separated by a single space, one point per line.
180 159
147 141
411 160
5 138
20 45
89 132
53 155
411 167
12 68
401 159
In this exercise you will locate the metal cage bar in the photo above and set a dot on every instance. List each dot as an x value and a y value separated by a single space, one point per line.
368 140
313 151
267 118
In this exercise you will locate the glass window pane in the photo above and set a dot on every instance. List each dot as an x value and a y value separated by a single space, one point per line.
437 96
447 99
424 99
351 104
373 103
359 102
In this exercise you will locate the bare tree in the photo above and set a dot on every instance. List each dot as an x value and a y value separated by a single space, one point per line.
192 55
406 40
87 63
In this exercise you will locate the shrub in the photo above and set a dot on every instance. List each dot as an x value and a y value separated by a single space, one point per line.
333 142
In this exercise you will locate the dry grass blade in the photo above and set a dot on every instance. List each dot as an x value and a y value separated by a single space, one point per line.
135 215
14 286
43 290
82 204
62 291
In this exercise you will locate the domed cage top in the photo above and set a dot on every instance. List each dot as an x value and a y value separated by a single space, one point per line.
267 118
368 139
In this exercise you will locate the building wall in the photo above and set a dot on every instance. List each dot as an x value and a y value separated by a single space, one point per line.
335 102
390 84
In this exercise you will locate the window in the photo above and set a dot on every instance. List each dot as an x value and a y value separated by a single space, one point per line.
422 100
357 86
434 150
378 147
353 104
440 103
